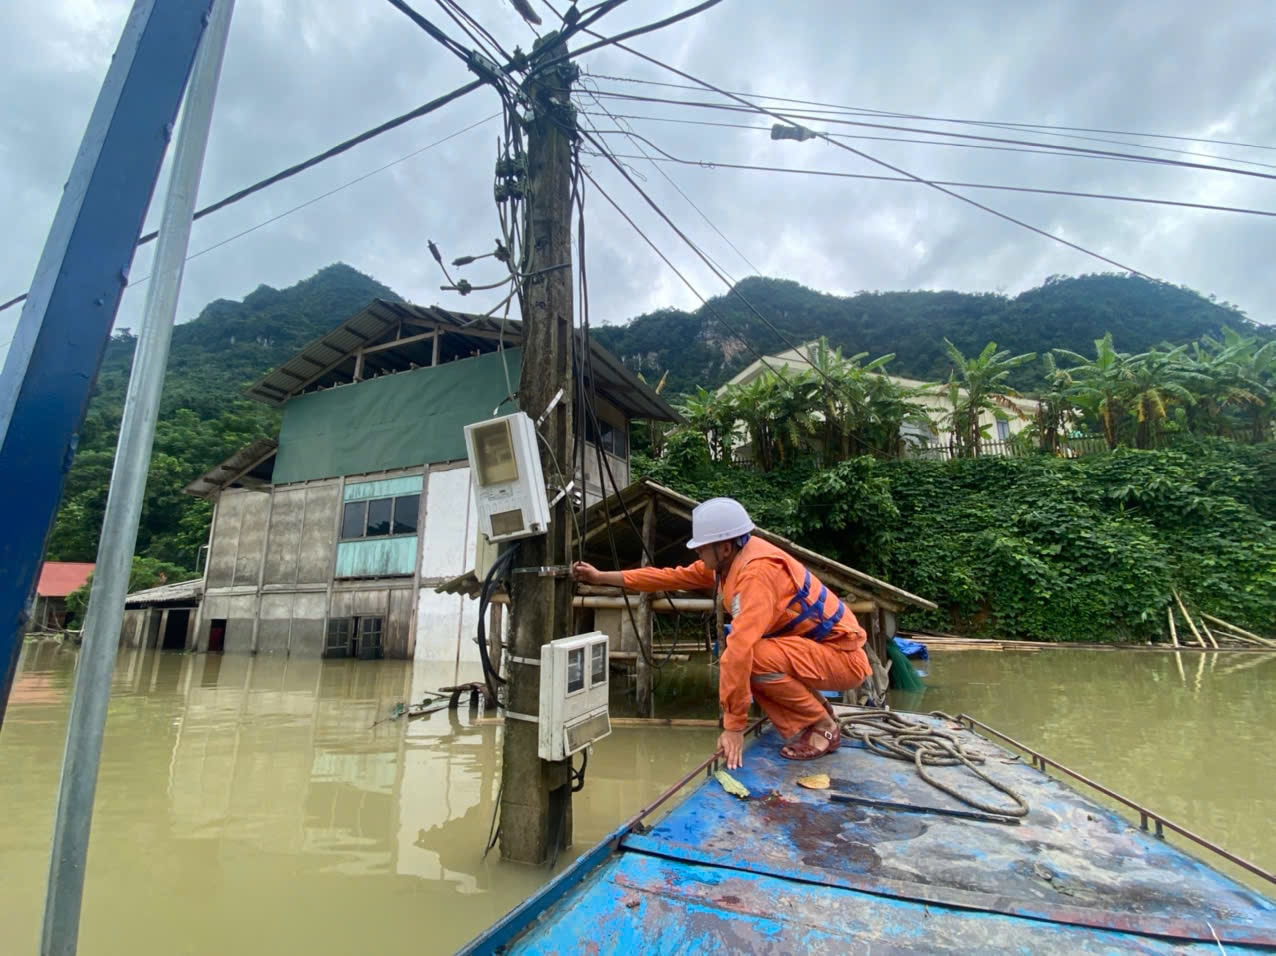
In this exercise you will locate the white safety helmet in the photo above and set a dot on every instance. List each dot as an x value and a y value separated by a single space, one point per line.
718 519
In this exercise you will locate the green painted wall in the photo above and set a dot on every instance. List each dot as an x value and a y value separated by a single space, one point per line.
376 557
384 488
395 421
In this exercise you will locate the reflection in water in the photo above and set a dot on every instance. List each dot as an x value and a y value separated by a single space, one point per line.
251 804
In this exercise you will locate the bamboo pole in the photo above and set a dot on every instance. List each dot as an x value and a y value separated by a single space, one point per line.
1187 617
1174 631
1239 630
1209 634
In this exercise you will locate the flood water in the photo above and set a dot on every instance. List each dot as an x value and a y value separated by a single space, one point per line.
249 805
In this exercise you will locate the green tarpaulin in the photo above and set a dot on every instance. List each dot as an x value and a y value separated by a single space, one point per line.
395 421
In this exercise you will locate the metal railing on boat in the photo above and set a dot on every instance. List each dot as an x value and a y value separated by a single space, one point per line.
1149 820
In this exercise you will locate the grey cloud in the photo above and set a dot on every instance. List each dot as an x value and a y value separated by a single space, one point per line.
301 76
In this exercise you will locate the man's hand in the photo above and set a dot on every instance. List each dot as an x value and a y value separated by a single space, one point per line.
586 573
731 746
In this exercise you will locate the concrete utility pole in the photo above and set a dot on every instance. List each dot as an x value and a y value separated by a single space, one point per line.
536 794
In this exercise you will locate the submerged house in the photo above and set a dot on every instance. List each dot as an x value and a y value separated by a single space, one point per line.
330 539
57 580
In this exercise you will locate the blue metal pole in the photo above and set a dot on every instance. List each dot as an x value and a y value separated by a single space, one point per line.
87 722
52 362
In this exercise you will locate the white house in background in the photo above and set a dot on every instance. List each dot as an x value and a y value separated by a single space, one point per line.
933 396
330 541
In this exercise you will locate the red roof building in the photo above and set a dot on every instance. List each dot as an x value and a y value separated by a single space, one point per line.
60 578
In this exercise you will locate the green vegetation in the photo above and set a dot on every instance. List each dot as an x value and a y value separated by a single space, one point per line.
706 347
1039 548
1042 547
144 573
836 408
203 416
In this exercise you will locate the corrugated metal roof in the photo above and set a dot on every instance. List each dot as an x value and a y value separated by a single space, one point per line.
673 527
60 578
183 592
242 462
330 360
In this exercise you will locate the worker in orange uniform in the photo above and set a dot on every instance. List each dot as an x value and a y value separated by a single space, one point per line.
790 636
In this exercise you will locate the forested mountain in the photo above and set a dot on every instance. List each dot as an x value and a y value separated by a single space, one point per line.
705 347
230 344
203 415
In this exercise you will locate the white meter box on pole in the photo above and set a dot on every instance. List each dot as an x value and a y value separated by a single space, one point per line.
509 485
573 711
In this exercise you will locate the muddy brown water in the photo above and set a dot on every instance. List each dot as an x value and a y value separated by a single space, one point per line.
249 805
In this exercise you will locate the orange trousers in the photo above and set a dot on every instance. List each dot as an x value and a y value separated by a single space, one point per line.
788 673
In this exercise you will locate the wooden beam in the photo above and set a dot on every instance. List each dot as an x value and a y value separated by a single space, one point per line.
395 343
644 635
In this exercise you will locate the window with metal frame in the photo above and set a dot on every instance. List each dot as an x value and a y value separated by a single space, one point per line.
369 638
338 641
380 517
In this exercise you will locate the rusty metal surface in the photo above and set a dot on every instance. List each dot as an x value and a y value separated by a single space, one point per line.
1070 860
642 904
789 870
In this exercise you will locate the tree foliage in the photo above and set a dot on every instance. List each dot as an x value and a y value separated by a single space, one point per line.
706 347
203 416
1037 548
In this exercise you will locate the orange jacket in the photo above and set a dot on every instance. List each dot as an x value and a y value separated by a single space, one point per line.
762 593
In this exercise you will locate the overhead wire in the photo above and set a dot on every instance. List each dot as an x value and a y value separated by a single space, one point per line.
628 34
999 124
868 137
896 169
635 138
710 165
425 24
313 161
793 118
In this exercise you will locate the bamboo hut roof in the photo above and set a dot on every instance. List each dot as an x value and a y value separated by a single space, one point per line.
612 538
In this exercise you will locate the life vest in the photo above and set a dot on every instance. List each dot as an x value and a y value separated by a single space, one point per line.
813 616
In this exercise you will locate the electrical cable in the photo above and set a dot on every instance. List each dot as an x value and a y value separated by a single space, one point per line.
865 137
1055 147
896 169
309 202
715 164
460 17
731 284
669 180
491 676
627 35
1000 124
446 41
315 160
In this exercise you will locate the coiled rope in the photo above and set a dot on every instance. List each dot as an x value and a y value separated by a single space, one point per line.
897 737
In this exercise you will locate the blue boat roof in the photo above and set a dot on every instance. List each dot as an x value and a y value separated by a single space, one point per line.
792 870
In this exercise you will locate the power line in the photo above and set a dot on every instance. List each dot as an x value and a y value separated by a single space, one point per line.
446 41
635 138
705 303
628 34
327 154
457 13
1001 124
865 137
896 169
1060 147
325 195
714 164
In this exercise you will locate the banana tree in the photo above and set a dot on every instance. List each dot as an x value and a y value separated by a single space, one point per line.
977 385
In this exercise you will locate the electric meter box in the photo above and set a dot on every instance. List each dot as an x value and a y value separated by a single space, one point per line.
505 470
573 711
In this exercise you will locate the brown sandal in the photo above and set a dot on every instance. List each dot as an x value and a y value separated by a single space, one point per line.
803 749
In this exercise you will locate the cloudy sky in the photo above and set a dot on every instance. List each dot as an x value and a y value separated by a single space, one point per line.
299 77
